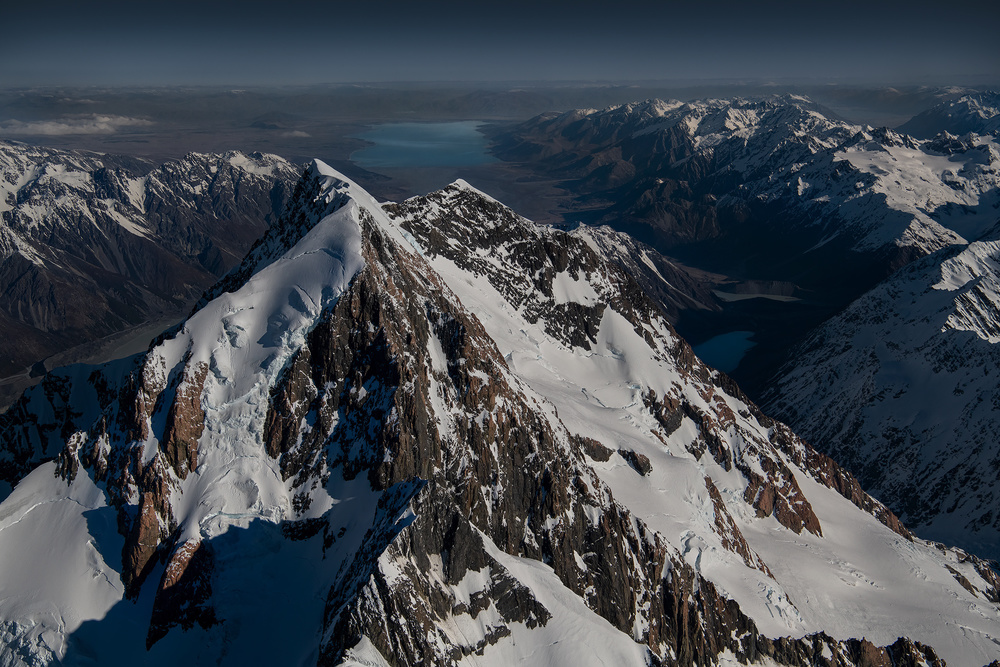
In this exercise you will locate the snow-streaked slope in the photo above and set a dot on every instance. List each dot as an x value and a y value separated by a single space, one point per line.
435 433
244 339
674 286
231 350
59 196
59 545
902 388
871 186
575 635
600 390
944 182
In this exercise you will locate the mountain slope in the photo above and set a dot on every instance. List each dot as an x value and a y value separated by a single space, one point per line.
446 436
599 392
91 245
901 387
975 112
676 288
718 169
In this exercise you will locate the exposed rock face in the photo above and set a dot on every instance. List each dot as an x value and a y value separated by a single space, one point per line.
186 421
781 498
638 461
185 590
147 525
92 245
437 495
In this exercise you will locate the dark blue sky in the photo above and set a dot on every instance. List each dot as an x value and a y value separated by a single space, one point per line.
255 42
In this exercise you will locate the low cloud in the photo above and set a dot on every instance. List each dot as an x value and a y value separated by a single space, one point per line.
295 133
92 124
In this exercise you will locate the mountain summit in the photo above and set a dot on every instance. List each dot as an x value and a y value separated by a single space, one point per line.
435 433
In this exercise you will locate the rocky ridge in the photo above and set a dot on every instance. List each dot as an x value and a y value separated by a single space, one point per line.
476 440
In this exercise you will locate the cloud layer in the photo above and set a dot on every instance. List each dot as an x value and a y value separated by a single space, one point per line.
92 124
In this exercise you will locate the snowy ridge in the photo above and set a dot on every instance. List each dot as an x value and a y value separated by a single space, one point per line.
244 339
436 433
977 112
23 166
674 287
791 151
222 361
937 183
41 189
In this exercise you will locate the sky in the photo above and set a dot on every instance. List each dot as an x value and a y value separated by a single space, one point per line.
264 43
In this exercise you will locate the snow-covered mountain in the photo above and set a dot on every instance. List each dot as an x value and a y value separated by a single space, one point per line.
435 433
91 244
977 112
901 387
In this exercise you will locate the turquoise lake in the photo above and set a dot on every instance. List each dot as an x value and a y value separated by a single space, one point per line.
725 351
407 145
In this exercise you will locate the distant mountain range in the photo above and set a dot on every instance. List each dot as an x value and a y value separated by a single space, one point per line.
761 183
977 112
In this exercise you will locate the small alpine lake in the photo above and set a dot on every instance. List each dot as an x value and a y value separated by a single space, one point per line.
726 351
409 145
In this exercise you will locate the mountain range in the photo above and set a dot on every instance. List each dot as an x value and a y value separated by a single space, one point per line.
93 246
773 191
433 432
749 170
975 112
887 241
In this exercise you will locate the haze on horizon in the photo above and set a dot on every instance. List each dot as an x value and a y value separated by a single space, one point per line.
255 43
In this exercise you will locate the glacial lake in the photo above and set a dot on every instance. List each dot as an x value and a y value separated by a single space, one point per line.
726 350
408 145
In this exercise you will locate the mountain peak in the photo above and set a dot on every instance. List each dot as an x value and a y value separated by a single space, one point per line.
463 184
